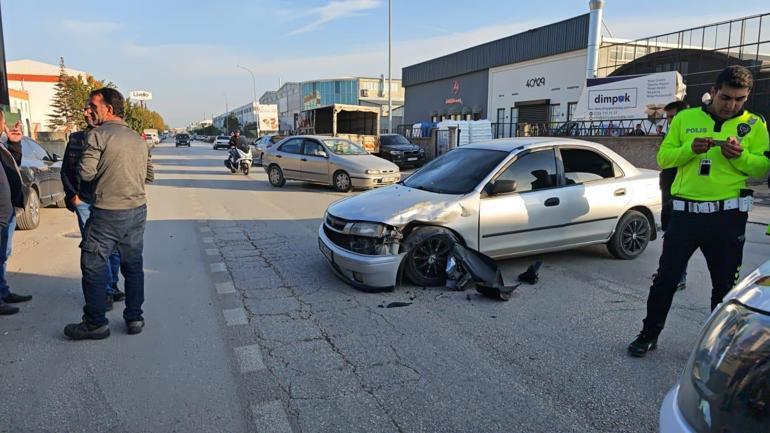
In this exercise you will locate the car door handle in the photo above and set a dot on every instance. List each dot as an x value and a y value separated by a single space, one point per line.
303 159
278 156
551 202
620 192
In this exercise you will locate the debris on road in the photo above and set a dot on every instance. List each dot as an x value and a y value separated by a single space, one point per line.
466 267
531 276
395 305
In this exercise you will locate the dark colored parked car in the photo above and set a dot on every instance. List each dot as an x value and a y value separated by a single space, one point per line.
397 149
41 174
183 140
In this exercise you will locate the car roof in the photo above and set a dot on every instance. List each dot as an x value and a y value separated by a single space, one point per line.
511 144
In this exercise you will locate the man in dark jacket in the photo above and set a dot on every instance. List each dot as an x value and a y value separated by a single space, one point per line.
237 142
10 157
78 199
114 161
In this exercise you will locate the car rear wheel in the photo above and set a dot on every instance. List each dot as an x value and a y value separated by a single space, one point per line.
342 182
29 217
632 235
429 249
275 175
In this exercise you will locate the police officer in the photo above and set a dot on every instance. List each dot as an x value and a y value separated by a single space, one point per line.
715 149
667 177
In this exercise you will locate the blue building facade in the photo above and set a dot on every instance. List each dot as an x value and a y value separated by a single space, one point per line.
326 92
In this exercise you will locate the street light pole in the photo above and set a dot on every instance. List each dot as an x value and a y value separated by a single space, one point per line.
390 72
254 88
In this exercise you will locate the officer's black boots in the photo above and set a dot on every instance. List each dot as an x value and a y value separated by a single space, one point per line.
643 344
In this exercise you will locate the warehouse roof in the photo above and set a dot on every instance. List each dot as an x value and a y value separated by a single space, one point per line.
556 38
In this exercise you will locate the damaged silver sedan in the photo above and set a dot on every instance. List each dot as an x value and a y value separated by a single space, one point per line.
503 198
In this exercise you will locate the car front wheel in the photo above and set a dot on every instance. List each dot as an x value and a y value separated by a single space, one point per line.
342 182
29 217
429 249
632 235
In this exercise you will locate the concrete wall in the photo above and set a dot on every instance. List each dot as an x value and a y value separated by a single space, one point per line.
640 151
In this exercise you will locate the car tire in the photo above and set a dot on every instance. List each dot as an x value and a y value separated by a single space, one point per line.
341 182
275 176
429 249
631 237
29 217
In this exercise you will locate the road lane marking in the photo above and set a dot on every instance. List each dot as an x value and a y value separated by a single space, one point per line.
212 251
270 417
218 267
249 358
208 240
225 288
235 317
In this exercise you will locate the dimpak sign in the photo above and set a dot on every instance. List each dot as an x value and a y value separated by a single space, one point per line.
612 98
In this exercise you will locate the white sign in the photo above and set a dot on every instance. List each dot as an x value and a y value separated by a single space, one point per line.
267 117
140 95
629 97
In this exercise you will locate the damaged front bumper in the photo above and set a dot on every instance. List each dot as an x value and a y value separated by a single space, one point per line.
370 273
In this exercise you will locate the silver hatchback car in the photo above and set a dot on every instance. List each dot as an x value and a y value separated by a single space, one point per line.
327 160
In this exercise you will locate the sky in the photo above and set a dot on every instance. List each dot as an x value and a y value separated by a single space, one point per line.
187 52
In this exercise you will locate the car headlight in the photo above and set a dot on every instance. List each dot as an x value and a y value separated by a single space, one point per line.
422 151
372 230
395 152
725 386
372 171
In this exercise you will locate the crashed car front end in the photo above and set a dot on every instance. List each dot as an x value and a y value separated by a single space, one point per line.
365 254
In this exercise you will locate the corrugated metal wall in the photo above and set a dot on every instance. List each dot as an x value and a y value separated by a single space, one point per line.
561 37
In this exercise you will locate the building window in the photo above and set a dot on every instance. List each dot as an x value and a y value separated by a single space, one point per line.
514 121
554 114
571 107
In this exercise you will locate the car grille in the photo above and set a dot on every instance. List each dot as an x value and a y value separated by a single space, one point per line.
411 154
388 171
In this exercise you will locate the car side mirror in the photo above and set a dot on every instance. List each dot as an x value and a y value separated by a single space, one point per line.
56 158
322 154
501 186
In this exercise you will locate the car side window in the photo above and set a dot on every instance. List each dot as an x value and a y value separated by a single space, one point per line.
292 146
313 148
32 150
533 171
583 165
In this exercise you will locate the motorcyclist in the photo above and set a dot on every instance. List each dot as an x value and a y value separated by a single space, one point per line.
237 142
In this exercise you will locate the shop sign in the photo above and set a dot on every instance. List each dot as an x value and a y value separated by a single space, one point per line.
536 82
451 101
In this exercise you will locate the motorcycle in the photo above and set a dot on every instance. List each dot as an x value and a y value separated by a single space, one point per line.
242 162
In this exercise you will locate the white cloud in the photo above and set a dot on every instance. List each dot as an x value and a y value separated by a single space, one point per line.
334 10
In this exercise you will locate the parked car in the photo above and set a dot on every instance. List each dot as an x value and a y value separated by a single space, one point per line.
41 175
504 198
182 140
222 141
327 160
264 142
725 386
397 149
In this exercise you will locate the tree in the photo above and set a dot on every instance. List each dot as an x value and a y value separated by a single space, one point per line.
232 123
63 116
140 118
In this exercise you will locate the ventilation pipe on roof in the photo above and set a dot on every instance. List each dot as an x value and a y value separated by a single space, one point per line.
594 37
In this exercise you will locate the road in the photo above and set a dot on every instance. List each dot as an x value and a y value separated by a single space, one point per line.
249 330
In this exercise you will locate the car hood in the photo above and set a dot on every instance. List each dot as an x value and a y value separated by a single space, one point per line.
398 205
401 147
361 163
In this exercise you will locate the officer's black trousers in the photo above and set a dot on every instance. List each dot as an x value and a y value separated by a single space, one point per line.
720 237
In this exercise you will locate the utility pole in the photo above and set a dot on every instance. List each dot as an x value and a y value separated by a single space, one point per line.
390 72
227 117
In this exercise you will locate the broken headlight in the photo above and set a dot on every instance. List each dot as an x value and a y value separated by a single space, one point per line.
726 384
371 230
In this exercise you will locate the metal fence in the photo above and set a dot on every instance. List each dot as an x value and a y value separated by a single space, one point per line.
587 128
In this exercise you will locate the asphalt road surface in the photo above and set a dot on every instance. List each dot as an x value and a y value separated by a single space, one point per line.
248 330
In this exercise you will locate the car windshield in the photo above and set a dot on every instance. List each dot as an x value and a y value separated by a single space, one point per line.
223 137
394 140
344 147
457 172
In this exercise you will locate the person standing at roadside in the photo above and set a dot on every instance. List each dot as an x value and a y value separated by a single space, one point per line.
715 149
10 157
114 161
78 199
667 176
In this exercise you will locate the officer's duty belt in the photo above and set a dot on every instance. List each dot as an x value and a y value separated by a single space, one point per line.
705 206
